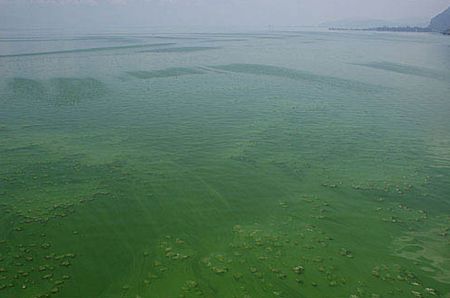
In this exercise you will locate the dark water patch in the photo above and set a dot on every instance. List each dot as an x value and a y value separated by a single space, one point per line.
175 37
58 91
87 50
25 89
247 36
61 172
288 73
165 73
109 38
208 69
407 69
234 34
89 38
70 91
29 149
180 50
32 39
270 37
224 40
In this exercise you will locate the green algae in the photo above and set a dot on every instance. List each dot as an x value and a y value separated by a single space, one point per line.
253 180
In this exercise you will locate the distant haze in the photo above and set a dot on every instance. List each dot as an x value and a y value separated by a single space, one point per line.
62 14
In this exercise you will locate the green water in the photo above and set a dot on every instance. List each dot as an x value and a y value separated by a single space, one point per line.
261 164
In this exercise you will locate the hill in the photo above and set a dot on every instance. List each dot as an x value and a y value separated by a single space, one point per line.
441 22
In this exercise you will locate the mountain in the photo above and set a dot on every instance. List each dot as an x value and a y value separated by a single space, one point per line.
441 22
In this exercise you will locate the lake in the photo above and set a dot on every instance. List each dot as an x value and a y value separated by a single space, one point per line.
275 163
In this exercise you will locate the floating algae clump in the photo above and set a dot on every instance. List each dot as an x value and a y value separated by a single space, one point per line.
346 253
298 269
219 270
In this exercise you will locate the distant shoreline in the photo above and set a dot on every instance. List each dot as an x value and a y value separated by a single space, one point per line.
385 29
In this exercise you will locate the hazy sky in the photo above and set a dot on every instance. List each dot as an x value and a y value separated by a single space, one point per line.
67 13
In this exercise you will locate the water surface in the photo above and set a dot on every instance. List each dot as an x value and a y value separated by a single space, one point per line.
251 164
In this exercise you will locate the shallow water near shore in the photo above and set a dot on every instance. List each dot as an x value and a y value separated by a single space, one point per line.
259 164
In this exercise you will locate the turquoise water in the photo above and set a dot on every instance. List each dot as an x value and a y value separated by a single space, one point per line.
259 164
